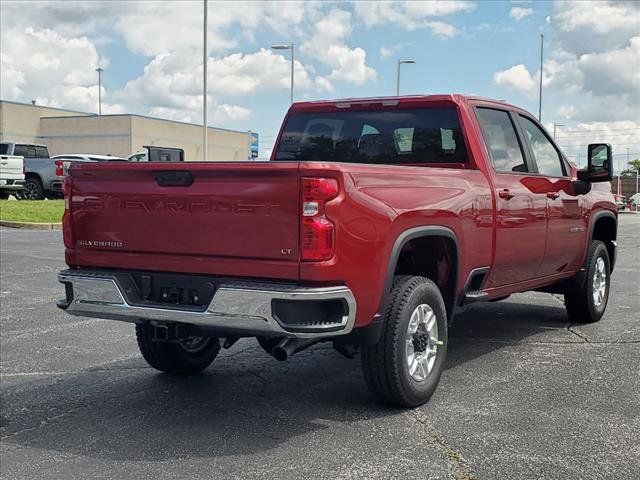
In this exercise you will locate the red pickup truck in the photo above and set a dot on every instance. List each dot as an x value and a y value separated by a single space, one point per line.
375 221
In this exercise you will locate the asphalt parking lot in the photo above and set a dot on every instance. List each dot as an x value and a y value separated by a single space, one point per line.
525 395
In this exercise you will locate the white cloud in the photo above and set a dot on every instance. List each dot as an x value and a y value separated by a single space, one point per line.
516 77
327 45
519 13
412 15
50 68
385 52
591 77
595 26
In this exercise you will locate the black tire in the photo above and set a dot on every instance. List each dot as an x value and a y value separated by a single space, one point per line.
32 190
175 358
385 364
580 302
4 195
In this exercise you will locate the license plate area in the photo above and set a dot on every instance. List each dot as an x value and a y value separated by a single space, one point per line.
167 290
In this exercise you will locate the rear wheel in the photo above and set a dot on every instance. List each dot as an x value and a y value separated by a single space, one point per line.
404 367
4 195
587 303
190 355
33 189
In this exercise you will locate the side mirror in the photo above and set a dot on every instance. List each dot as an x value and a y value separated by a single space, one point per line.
599 164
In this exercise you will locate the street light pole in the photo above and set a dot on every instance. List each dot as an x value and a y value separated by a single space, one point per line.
400 62
540 88
205 140
291 47
99 70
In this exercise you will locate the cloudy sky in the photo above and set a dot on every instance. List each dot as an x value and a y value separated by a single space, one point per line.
152 56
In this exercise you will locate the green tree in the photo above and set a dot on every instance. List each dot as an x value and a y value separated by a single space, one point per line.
635 165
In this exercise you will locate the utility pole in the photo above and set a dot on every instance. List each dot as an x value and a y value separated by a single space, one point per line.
99 70
554 128
540 89
204 90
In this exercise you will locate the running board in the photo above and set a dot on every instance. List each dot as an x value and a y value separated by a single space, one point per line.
476 296
473 286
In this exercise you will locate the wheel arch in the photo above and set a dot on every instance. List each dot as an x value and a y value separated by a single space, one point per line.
604 227
423 233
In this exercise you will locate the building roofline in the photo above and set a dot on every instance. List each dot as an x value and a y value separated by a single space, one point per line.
149 118
83 114
93 115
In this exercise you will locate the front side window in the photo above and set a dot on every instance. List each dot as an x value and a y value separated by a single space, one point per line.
500 137
389 136
545 155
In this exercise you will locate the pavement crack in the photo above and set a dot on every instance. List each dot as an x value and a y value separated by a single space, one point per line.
460 470
577 333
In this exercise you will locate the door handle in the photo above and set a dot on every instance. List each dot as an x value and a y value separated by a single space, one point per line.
553 195
506 194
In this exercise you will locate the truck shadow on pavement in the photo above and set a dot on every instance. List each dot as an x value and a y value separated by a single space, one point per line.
245 403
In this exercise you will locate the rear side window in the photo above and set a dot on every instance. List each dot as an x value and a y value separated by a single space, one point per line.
42 152
500 137
400 136
4 148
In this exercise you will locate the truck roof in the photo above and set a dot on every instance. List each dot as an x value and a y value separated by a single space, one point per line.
395 100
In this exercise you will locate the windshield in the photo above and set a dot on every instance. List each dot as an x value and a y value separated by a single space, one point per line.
399 136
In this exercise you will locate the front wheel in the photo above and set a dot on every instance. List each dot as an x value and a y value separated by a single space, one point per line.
190 355
404 367
587 303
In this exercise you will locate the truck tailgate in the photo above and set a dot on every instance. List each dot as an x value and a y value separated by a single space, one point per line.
11 167
199 211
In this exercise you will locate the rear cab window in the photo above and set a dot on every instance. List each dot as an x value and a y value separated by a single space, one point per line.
390 136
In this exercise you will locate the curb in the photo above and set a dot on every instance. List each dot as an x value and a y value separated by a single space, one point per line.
31 225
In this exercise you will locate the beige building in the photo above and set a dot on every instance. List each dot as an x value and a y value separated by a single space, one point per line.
67 131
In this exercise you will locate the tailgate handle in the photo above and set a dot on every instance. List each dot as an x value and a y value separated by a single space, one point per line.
173 178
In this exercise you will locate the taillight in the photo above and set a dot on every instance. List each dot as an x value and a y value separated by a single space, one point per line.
59 168
67 232
317 231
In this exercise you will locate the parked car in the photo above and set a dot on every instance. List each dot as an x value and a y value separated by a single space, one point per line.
621 201
64 162
40 170
375 223
11 175
157 154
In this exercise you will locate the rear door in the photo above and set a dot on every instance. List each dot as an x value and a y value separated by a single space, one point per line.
566 227
520 208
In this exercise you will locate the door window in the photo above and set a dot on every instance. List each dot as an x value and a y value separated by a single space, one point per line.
500 137
544 153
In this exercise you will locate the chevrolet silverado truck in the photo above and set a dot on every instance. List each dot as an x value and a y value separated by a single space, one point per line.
374 223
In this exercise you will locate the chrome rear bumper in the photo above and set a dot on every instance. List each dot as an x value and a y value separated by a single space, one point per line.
242 308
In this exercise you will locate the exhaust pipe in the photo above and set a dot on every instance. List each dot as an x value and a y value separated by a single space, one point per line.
289 346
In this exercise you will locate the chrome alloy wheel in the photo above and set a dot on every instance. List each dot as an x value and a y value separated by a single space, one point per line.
422 342
599 283
194 344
